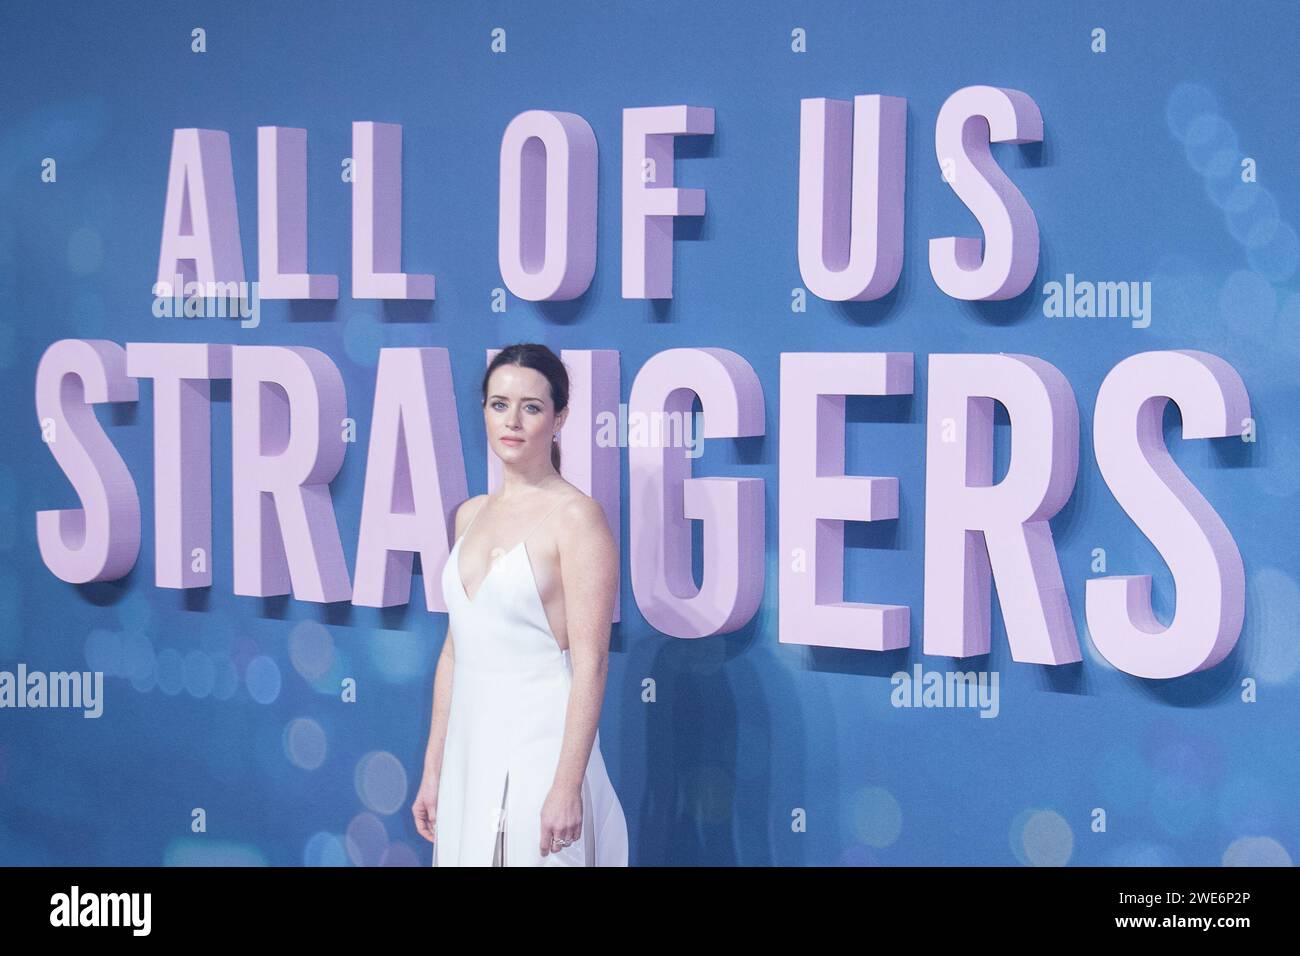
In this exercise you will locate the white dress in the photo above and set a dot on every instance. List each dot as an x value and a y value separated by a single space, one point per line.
510 694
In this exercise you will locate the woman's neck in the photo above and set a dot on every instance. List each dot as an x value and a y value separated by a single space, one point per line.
517 481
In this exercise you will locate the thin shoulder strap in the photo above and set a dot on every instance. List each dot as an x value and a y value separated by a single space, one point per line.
473 519
562 500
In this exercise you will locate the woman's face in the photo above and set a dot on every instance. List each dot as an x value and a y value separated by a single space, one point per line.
519 417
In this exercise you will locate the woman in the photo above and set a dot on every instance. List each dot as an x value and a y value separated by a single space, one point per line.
513 773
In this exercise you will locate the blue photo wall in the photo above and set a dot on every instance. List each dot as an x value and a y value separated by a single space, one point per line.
1168 157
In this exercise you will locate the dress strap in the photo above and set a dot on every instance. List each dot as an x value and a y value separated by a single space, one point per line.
562 500
481 507
473 519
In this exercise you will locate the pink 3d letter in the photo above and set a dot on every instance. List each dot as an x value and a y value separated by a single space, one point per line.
968 122
852 159
377 217
200 235
965 512
182 455
287 408
817 498
1190 535
664 496
282 218
100 540
415 478
546 239
649 199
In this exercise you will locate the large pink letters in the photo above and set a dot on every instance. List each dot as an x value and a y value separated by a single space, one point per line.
649 199
287 408
182 455
546 239
200 234
968 122
100 540
282 218
817 498
1149 486
965 511
852 159
664 497
415 479
377 217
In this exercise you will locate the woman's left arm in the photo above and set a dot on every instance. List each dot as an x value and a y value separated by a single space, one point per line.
589 567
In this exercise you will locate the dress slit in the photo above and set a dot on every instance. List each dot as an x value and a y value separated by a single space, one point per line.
499 856
589 827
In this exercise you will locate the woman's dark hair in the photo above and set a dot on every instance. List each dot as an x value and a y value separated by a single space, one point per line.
541 359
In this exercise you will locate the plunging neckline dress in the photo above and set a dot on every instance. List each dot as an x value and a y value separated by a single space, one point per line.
510 694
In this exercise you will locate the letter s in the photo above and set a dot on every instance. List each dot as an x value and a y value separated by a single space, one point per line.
1208 575
101 540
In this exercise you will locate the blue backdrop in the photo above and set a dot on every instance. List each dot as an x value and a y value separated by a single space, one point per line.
231 704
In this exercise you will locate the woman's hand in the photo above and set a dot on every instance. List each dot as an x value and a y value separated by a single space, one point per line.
561 819
425 808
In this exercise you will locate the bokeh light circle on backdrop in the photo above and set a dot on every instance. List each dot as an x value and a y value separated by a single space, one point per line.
365 839
1041 837
380 782
877 816
311 649
200 674
305 743
325 849
262 678
1256 851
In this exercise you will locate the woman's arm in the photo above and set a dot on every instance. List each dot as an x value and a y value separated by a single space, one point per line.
441 709
446 662
425 807
589 574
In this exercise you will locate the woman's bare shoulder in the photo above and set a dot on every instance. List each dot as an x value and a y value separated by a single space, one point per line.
466 511
582 519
